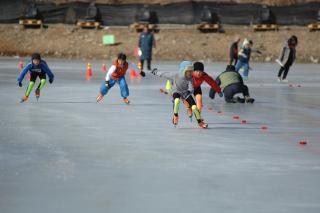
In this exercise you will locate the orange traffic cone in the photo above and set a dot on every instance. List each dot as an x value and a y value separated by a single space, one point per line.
132 73
89 72
21 65
103 68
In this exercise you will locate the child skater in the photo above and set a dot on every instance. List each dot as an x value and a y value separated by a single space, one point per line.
182 89
198 77
116 74
37 68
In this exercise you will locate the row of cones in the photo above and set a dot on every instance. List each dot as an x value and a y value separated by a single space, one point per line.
263 128
88 73
133 73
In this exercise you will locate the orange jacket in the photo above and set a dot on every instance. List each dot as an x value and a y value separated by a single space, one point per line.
120 71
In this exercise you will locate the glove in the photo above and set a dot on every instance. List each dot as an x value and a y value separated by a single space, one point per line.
107 84
50 80
259 52
154 71
220 94
143 74
20 84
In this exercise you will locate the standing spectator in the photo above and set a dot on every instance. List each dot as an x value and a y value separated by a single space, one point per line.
287 57
233 53
146 42
244 58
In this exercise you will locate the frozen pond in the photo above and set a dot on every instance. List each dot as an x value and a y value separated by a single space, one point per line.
66 153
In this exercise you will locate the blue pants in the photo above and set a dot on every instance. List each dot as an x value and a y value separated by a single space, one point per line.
245 67
123 87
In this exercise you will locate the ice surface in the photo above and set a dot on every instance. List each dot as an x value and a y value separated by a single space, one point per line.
66 153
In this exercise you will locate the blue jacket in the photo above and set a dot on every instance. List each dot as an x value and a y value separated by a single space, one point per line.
146 42
247 53
42 68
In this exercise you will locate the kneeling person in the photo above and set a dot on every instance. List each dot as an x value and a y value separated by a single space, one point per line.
231 83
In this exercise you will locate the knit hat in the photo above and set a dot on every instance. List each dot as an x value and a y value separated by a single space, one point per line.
35 56
198 66
184 66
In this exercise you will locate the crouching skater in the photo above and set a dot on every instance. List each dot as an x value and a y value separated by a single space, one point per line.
231 83
37 68
182 89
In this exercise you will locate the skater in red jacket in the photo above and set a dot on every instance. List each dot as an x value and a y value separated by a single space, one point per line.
198 77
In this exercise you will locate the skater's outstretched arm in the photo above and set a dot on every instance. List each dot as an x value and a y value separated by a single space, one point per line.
212 83
24 72
166 75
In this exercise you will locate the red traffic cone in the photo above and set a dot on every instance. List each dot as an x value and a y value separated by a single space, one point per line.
89 72
132 73
103 68
21 65
303 142
264 128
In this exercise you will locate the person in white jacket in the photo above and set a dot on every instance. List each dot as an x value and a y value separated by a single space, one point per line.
287 58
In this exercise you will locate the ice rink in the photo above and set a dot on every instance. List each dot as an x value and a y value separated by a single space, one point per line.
66 153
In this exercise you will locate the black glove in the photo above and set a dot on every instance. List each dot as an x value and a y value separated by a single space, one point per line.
142 73
107 84
20 84
220 94
154 71
50 80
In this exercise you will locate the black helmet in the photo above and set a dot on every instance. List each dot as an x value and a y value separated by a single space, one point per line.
198 66
122 56
35 56
230 68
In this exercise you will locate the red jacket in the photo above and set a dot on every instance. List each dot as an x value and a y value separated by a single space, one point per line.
196 81
120 71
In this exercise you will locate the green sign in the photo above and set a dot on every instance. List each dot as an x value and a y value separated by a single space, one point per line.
108 39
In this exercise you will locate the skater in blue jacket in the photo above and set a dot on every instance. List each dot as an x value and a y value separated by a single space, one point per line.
37 68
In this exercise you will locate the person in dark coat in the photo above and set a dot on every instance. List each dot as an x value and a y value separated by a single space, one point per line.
146 42
233 52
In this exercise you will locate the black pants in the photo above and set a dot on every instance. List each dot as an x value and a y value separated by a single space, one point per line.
230 91
197 91
148 64
284 70
34 75
235 60
190 99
